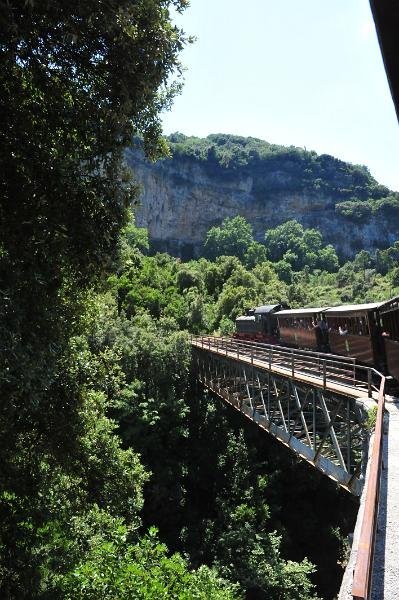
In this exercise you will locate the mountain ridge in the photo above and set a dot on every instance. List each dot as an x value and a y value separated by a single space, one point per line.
208 179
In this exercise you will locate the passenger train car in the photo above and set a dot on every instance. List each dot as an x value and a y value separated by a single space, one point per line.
303 327
367 332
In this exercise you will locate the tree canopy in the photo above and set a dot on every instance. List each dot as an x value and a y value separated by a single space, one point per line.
232 238
78 80
300 247
101 432
299 168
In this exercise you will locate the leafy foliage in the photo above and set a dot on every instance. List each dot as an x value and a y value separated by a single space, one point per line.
158 410
87 76
102 434
359 211
289 243
300 248
116 570
233 238
208 493
279 167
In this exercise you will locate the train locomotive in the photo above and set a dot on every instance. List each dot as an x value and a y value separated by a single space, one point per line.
367 332
260 324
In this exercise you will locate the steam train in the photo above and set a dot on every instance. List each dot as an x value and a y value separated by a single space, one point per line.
367 332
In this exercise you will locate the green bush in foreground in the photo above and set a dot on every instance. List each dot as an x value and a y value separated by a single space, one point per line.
116 570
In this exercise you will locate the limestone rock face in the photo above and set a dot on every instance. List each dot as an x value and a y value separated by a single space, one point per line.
182 198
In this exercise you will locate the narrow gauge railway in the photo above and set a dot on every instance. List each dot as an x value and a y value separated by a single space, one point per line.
367 332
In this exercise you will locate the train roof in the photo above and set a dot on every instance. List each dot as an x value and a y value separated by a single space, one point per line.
267 308
353 308
298 312
389 305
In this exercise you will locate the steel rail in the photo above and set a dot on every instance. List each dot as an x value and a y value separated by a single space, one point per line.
364 561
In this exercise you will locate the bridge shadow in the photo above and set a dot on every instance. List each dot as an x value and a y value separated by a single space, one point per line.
378 577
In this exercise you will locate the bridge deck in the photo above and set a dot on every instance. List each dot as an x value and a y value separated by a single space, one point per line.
335 379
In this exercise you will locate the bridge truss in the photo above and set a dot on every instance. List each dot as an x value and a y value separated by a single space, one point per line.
322 423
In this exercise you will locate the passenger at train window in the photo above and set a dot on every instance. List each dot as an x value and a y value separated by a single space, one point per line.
318 334
323 324
362 326
343 330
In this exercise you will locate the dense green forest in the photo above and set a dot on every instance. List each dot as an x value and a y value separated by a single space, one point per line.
286 168
236 273
120 478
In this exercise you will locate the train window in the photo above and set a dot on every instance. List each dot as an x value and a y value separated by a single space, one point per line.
390 324
349 325
341 325
297 323
359 326
353 326
332 323
362 326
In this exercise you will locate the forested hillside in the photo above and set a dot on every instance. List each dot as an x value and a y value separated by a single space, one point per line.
119 477
235 273
219 490
208 179
78 80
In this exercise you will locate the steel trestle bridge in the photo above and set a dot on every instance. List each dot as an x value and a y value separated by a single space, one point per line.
317 405
314 403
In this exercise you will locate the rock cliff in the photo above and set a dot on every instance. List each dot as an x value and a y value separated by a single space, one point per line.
221 176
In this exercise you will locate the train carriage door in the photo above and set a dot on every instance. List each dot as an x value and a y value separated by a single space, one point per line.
389 327
377 341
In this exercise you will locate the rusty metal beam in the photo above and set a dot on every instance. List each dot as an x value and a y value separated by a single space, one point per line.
363 568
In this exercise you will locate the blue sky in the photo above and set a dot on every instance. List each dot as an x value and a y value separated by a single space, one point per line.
302 72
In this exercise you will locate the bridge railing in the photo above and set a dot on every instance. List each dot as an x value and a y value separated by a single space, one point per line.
331 368
363 568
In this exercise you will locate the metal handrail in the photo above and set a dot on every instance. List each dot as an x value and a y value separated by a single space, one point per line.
280 350
252 344
363 568
331 367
